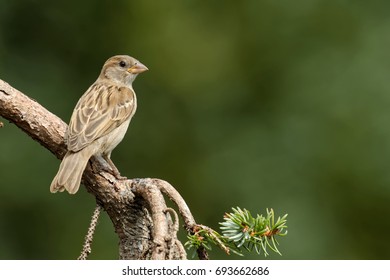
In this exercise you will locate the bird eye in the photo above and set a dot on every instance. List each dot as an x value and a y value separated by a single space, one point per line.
122 64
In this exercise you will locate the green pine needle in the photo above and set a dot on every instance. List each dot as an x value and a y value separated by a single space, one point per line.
241 230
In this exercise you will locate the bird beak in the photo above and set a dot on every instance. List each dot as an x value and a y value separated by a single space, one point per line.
137 68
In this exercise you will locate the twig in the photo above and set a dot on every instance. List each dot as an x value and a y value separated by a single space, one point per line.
89 237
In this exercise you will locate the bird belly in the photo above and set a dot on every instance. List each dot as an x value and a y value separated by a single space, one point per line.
112 139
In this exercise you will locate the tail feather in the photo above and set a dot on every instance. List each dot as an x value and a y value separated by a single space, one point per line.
70 172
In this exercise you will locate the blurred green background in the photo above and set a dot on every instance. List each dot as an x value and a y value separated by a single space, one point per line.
278 104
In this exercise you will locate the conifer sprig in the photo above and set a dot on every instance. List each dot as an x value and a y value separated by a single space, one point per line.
240 230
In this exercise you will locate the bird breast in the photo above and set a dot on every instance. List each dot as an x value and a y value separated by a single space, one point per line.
108 142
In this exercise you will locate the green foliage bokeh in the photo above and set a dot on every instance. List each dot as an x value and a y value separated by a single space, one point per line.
257 104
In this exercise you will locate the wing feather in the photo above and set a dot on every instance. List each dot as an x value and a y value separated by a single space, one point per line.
99 111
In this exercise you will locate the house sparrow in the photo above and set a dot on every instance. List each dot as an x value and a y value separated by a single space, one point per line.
99 121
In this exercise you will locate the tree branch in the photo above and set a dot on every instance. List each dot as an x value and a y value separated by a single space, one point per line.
136 207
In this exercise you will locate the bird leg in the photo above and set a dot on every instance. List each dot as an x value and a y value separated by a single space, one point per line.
107 165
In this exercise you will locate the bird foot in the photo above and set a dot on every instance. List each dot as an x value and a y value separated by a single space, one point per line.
108 166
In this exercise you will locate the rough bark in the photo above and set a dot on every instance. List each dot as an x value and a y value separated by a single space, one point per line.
136 207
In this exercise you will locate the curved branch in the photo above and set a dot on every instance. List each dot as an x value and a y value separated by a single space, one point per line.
174 195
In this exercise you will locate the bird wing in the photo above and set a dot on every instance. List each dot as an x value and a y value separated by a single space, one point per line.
99 111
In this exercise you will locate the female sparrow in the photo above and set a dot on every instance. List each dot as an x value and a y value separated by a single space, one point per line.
99 121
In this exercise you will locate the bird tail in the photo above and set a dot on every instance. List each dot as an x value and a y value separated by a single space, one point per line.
71 170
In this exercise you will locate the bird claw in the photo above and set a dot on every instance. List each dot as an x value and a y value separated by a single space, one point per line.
120 177
108 166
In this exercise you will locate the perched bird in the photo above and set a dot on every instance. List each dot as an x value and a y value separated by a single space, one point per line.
99 121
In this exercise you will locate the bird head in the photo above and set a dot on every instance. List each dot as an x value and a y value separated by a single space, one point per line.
122 68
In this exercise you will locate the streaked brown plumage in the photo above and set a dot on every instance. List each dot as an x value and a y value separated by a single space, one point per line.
99 120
